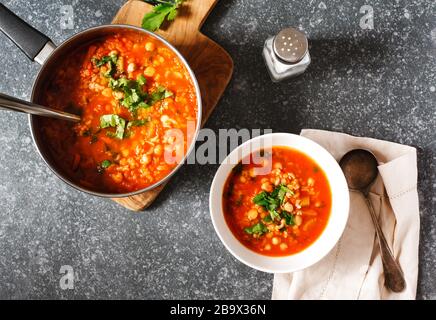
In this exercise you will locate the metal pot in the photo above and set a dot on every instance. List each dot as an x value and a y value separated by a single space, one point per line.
41 49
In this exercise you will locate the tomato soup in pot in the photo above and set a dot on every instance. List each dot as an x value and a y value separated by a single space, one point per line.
130 90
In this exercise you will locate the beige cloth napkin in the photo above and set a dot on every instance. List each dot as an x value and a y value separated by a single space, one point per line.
353 269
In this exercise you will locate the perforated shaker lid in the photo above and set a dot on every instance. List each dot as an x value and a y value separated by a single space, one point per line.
290 45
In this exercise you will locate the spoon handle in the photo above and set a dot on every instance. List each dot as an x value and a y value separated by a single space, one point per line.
14 104
394 277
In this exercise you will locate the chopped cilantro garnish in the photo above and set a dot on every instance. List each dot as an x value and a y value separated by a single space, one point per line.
113 120
272 201
289 218
110 61
106 164
137 123
259 229
142 81
134 94
159 94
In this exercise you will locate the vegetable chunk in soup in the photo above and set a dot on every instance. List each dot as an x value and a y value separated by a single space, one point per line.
281 212
131 90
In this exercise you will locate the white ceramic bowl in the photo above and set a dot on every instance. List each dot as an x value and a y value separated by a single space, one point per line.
335 225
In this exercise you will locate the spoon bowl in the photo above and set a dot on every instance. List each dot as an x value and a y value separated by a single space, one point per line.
360 169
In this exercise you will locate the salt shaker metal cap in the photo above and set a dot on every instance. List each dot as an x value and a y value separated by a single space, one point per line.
286 54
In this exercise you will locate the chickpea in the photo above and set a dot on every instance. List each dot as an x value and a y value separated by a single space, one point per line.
252 214
267 247
181 100
277 181
298 220
283 246
131 162
278 165
275 241
288 207
125 152
242 179
310 182
117 177
131 67
158 150
252 173
149 71
178 75
149 46
145 159
107 92
266 186
118 95
261 209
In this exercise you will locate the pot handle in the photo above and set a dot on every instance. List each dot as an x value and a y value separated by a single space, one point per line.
27 38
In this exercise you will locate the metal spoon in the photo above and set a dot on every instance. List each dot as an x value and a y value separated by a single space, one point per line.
14 104
360 170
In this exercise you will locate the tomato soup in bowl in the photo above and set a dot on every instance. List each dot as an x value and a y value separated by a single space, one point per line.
279 202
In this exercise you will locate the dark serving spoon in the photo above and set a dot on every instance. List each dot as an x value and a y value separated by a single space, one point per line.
360 170
14 104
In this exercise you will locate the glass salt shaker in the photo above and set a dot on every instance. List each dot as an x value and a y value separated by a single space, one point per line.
286 54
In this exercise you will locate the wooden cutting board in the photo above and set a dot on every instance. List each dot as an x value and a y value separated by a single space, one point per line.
211 64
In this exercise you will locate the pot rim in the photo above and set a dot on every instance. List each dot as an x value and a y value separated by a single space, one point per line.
71 183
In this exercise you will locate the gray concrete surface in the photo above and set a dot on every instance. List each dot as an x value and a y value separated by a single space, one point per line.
378 83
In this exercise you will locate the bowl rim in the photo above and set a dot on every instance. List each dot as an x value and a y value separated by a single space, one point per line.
71 41
245 255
